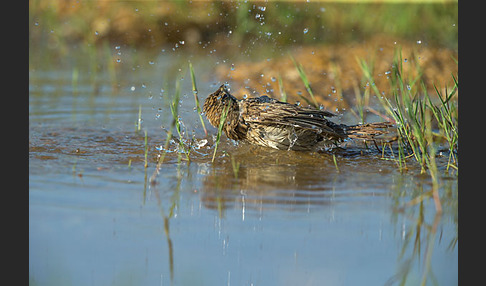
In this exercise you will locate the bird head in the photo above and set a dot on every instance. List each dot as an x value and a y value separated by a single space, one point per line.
215 104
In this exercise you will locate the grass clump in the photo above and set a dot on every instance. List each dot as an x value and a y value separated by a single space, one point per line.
174 107
174 123
423 122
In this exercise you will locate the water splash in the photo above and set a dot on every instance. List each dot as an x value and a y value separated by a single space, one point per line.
292 138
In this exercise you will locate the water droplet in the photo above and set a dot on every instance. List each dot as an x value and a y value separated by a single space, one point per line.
408 87
273 79
118 60
306 30
419 42
151 62
143 85
132 88
96 33
405 60
232 67
157 115
117 47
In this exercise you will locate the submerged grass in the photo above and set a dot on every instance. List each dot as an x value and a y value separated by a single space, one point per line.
236 166
335 162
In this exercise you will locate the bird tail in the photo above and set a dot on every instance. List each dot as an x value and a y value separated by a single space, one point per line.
367 131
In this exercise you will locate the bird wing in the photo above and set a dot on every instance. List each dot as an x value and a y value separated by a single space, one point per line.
265 110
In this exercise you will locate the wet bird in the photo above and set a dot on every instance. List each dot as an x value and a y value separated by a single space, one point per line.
271 123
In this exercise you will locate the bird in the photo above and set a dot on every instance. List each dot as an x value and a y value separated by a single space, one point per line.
268 122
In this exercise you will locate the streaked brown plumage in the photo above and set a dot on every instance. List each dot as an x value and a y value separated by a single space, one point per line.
268 122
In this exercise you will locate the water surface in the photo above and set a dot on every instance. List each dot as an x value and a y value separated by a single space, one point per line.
280 218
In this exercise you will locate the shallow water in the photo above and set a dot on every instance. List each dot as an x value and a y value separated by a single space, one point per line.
280 218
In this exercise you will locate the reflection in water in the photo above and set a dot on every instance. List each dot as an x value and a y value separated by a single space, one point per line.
298 181
417 249
420 231
253 177
174 201
267 183
264 177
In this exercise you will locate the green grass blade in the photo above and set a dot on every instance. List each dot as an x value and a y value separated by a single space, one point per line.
283 94
222 120
196 98
303 76
146 150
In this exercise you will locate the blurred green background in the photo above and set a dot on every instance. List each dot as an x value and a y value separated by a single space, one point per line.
151 24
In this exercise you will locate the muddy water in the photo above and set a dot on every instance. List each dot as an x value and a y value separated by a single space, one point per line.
254 216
